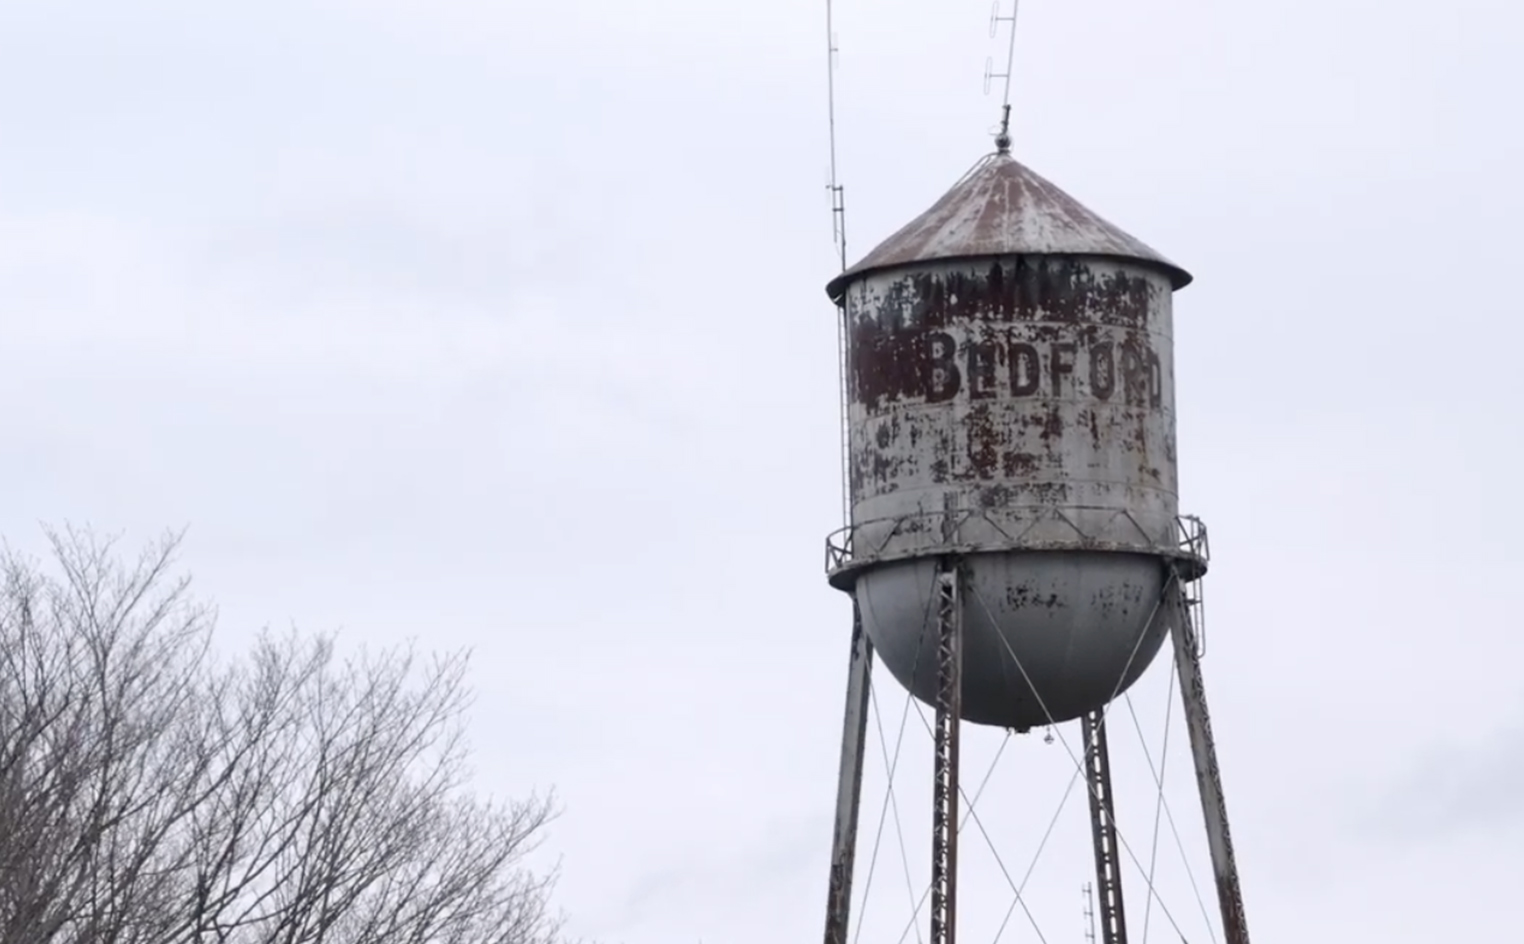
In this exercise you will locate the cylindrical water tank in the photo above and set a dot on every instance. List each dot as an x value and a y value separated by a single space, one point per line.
1010 404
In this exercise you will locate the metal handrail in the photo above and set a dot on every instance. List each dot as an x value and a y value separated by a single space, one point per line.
1189 546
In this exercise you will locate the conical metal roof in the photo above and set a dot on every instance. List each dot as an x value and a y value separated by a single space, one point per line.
1002 208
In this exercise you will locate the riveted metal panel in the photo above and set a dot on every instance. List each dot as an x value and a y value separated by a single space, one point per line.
1034 392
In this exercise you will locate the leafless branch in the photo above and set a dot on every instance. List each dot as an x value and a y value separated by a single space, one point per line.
152 794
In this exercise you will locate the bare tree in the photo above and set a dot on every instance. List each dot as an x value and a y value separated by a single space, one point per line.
151 793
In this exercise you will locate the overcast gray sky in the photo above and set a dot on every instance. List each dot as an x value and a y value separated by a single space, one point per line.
502 326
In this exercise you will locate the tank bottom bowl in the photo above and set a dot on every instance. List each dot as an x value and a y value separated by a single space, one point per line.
1048 635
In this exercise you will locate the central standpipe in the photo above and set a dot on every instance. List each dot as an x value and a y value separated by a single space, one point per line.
944 830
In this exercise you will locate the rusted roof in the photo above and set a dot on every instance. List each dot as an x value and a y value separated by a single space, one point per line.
1002 208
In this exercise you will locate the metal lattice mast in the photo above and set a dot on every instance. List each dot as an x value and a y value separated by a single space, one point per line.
944 835
1187 633
839 237
849 786
1103 826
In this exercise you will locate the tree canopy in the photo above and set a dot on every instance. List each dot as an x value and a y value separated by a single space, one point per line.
153 792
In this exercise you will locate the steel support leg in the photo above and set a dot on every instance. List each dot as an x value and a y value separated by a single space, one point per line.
1103 826
849 786
944 833
1235 926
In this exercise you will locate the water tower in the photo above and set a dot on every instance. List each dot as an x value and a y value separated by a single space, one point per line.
1015 552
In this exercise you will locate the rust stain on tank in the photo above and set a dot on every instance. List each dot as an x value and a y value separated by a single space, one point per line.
904 350
1022 596
1025 381
1019 464
984 441
1027 288
1052 424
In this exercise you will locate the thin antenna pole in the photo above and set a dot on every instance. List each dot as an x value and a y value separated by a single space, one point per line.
838 207
1010 55
1089 914
1003 137
839 235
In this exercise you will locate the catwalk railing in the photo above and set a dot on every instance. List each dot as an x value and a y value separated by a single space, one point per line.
1017 528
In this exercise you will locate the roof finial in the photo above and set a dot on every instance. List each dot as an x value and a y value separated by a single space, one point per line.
1003 139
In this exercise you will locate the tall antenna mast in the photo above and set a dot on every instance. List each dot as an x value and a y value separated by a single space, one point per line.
839 236
838 193
1003 136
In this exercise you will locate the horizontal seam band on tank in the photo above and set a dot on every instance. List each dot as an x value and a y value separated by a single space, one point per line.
1042 322
1015 403
1014 481
860 278
1148 327
923 543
